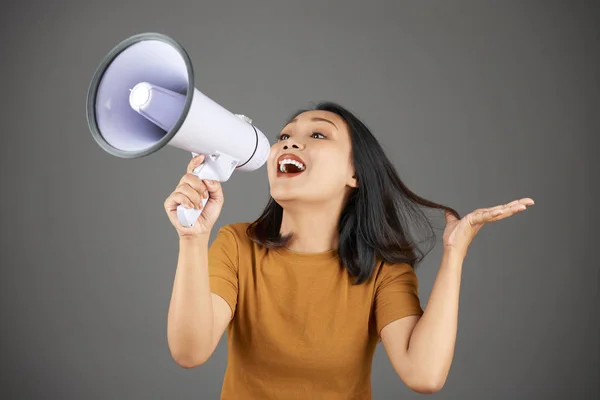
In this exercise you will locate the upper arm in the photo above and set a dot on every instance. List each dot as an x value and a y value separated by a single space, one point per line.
395 337
223 266
222 315
397 310
396 294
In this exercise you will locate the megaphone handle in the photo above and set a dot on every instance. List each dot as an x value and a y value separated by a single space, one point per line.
216 167
187 216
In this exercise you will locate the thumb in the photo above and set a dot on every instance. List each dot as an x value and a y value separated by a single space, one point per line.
214 189
450 217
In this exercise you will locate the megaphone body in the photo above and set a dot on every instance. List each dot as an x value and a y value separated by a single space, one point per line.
142 97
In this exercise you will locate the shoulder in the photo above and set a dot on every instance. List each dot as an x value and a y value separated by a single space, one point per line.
230 243
234 243
387 271
235 233
238 229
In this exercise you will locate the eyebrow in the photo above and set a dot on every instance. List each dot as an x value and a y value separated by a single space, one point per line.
314 119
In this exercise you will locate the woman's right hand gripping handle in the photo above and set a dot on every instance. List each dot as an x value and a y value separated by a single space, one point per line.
190 191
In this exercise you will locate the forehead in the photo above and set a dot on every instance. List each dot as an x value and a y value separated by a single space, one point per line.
307 116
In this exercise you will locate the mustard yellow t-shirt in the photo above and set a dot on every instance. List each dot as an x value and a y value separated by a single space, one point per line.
300 329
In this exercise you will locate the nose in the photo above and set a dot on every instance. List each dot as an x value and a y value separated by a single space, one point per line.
293 144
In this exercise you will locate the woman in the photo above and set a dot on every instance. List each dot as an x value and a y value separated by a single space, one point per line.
326 272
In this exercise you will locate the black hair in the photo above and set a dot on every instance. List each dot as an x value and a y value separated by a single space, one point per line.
381 216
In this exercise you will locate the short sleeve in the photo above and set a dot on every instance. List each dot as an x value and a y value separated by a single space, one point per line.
223 267
396 294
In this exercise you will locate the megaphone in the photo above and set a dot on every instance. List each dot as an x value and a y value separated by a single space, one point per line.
142 97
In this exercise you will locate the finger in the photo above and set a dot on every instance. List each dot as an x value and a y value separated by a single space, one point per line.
482 217
504 206
497 214
514 209
215 190
191 194
490 215
193 181
514 206
526 201
195 162
498 207
177 198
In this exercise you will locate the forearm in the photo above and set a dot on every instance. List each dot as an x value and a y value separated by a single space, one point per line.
432 341
190 319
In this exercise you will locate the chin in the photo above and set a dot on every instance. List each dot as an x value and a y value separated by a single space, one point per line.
288 198
283 190
284 195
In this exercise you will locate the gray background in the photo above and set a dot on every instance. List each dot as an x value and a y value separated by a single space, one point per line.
476 102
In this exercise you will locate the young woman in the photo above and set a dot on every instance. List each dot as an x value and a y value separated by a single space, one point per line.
326 272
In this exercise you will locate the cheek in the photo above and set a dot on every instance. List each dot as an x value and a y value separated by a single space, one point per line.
332 163
271 159
272 152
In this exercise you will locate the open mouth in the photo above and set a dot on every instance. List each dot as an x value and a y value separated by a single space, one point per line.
290 165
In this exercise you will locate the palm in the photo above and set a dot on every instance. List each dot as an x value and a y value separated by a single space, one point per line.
460 232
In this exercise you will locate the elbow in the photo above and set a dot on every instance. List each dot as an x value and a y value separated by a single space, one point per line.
428 386
188 353
186 364
189 362
426 383
189 359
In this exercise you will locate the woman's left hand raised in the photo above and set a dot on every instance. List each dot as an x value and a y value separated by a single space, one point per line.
460 232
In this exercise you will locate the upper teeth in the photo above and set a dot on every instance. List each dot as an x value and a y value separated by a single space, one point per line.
283 163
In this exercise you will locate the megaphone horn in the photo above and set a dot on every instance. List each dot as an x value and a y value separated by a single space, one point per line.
142 97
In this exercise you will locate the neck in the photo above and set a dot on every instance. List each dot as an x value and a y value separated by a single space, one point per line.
315 229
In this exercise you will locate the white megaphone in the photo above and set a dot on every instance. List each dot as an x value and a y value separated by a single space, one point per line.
142 97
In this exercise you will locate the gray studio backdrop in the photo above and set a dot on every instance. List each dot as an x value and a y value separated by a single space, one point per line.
476 102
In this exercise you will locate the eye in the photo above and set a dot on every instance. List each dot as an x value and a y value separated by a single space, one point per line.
285 136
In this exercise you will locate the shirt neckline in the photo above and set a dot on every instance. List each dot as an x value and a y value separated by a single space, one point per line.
299 257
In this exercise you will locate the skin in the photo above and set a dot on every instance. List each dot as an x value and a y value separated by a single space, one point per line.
313 201
420 348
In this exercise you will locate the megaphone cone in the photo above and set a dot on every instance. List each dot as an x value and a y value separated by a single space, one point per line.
142 97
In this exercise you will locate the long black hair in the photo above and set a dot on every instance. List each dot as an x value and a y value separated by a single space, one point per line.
381 216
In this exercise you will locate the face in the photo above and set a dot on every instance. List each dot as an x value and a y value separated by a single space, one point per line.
315 148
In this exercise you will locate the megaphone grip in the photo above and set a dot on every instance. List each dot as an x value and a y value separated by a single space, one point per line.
187 216
216 167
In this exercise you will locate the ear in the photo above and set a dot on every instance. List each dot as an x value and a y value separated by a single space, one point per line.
353 182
